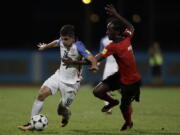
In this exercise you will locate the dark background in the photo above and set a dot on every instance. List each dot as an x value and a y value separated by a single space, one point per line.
26 23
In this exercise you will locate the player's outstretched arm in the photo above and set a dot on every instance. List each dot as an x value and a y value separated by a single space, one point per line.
94 66
43 46
91 60
99 57
112 11
69 61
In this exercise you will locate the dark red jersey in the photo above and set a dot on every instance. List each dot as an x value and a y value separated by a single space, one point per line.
123 53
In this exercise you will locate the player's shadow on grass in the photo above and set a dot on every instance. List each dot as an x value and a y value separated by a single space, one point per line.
156 132
95 132
130 132
49 133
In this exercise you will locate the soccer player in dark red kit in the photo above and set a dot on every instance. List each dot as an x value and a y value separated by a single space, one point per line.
120 31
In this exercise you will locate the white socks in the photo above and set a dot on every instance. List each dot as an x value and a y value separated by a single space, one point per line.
107 103
37 106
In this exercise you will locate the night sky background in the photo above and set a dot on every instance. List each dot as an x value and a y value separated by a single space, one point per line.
26 23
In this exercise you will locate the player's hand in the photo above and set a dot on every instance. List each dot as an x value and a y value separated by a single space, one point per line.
110 10
94 68
67 61
41 46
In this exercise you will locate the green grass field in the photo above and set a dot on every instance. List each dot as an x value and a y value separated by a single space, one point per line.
158 113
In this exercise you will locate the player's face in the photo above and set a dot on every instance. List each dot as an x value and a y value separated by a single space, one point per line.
112 34
67 40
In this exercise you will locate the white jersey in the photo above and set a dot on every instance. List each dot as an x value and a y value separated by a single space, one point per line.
110 65
72 74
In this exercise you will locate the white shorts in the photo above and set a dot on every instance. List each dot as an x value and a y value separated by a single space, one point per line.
68 91
110 67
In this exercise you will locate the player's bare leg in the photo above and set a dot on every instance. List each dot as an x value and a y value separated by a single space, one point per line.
128 96
65 113
37 106
127 112
100 91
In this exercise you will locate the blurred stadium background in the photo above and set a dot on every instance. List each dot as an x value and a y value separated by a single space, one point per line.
26 23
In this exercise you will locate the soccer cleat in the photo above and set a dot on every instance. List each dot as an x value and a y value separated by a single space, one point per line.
64 122
65 119
106 108
126 126
26 127
108 112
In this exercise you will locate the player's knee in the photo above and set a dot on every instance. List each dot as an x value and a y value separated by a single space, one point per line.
100 89
42 95
95 92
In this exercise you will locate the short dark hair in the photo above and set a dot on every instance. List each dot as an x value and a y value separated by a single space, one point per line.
67 30
118 26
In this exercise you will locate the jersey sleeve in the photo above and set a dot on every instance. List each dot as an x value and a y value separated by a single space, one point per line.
58 42
107 51
101 46
82 50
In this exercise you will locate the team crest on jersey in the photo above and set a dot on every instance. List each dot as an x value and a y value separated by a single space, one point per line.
129 48
104 51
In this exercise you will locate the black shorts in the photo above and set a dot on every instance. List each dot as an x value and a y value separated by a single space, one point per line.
129 92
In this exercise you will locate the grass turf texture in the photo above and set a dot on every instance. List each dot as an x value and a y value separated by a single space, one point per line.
158 113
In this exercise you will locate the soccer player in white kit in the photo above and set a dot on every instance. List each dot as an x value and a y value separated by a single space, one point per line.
110 66
67 78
